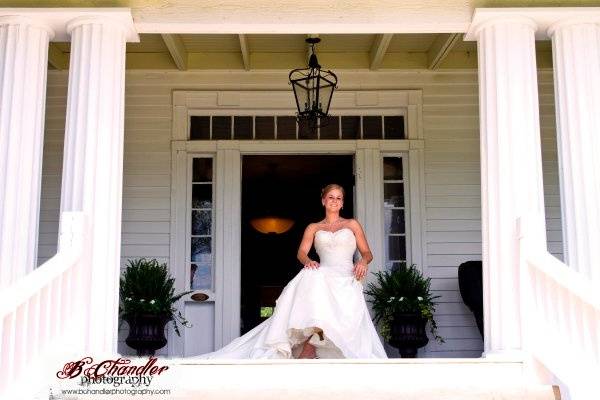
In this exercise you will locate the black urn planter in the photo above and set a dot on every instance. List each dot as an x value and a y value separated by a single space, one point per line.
408 334
146 333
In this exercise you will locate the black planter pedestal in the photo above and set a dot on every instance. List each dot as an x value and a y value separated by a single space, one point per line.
408 334
146 333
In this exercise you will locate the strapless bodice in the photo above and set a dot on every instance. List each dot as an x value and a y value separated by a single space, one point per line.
336 249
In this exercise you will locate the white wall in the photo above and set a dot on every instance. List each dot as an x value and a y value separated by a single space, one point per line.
453 213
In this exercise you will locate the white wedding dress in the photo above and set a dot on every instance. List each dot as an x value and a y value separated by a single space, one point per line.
329 298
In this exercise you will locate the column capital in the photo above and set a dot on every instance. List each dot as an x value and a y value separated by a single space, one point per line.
60 19
592 19
480 24
546 19
96 20
25 20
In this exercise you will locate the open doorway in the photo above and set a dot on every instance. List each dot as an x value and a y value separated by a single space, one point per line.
289 187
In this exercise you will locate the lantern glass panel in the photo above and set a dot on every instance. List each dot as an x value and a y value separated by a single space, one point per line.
325 94
303 99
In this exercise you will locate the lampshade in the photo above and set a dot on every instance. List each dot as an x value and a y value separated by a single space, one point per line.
272 224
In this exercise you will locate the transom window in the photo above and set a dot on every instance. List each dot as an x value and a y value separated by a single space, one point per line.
286 128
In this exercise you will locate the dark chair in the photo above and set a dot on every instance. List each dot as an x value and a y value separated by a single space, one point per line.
470 283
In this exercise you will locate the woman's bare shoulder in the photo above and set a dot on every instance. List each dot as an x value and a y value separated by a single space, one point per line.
312 227
353 224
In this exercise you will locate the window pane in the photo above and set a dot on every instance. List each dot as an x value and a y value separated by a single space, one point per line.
201 276
202 170
396 248
350 127
394 127
394 221
201 222
393 194
242 127
201 251
221 128
265 127
330 127
286 127
392 168
199 128
305 131
201 196
372 127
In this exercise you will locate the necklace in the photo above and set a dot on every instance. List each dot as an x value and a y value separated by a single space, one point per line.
331 223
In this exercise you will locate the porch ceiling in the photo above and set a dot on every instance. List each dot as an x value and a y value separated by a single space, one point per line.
286 51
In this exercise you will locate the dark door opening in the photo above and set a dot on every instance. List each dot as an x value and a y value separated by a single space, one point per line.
287 186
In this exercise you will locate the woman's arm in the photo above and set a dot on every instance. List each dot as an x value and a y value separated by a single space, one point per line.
305 245
360 267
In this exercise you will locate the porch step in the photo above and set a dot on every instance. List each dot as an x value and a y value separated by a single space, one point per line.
397 379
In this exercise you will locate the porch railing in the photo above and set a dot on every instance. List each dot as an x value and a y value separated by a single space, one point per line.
39 314
561 316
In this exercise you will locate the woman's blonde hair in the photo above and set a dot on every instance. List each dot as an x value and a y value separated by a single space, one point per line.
330 187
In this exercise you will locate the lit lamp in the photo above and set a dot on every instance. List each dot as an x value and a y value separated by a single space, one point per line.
313 88
272 224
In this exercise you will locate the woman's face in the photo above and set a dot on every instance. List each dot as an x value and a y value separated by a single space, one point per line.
333 200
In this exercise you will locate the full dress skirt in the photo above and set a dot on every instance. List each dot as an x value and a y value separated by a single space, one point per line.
328 298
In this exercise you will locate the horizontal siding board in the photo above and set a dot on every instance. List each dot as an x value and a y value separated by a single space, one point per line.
145 238
454 248
449 260
448 296
452 237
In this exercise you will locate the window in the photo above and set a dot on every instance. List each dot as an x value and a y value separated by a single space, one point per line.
394 210
201 226
285 127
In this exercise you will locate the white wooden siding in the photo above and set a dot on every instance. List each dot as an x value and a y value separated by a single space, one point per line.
452 175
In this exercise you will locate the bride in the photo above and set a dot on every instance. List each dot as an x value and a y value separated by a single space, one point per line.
321 312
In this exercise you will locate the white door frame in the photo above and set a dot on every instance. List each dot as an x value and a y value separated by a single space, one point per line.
227 166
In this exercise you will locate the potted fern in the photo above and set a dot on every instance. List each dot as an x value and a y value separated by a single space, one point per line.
147 298
403 305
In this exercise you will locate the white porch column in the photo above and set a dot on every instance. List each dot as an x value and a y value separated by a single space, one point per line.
23 66
93 163
576 54
511 167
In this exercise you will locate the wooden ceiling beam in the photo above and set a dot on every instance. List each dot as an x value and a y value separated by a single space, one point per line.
378 50
56 58
177 50
245 51
440 48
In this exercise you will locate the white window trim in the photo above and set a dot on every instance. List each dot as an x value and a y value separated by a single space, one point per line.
368 157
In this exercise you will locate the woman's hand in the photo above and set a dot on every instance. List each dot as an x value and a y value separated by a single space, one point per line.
311 264
360 269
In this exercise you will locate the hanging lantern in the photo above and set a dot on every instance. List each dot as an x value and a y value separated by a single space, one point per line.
313 88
